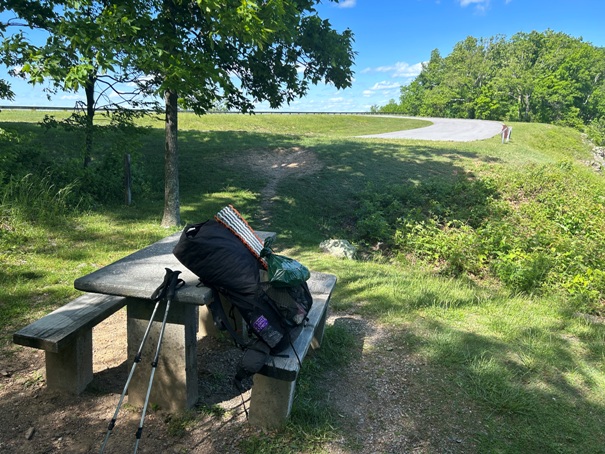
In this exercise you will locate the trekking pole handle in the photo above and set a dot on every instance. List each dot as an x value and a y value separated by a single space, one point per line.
168 287
173 284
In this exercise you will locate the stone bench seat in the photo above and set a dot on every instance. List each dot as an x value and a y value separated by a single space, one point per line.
273 389
66 337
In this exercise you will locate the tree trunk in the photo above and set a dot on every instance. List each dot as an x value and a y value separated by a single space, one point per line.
172 217
527 107
90 115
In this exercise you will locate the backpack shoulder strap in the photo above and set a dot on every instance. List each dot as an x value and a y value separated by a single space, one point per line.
222 321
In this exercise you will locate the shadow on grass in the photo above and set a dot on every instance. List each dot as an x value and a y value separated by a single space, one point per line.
313 420
308 208
533 383
326 199
305 211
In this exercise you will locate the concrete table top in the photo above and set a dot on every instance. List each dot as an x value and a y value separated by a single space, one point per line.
139 274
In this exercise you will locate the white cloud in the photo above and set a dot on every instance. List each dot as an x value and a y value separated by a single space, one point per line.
480 5
471 2
384 88
384 85
399 69
347 4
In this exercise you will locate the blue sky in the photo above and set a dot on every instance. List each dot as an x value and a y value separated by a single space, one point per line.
393 38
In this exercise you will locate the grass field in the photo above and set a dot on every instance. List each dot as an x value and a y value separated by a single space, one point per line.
458 283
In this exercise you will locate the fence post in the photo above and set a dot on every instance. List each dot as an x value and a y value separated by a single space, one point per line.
506 130
127 180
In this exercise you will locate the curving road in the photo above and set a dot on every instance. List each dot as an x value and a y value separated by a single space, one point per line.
446 129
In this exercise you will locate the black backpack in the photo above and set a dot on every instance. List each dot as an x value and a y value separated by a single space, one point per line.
274 315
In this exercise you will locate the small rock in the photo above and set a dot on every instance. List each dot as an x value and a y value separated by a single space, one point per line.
29 434
5 373
339 248
178 449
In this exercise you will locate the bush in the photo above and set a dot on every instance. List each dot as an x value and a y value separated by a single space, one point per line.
587 290
102 180
523 271
454 248
55 159
541 230
20 155
596 131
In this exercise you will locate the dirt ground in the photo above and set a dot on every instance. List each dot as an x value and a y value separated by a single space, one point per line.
388 399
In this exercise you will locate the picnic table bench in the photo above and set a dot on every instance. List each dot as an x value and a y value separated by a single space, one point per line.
66 335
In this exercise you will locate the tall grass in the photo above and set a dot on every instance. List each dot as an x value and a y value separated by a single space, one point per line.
35 198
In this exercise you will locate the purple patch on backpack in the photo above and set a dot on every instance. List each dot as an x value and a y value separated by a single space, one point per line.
260 324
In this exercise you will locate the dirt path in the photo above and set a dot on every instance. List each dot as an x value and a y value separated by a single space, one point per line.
388 401
277 164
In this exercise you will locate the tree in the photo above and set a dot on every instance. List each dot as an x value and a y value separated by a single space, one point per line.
5 90
547 77
232 52
84 49
414 94
192 53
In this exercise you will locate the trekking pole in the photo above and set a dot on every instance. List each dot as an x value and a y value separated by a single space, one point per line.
173 283
158 295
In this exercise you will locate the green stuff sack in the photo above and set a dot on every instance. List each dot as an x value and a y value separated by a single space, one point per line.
283 271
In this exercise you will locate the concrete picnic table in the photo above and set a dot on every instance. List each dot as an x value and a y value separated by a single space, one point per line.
136 277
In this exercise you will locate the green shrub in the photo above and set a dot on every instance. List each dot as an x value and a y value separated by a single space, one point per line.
523 271
373 225
58 164
596 131
540 231
20 155
452 248
587 290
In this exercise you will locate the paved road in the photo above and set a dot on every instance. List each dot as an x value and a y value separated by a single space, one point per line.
446 129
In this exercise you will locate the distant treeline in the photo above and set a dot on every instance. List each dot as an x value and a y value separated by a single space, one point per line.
547 77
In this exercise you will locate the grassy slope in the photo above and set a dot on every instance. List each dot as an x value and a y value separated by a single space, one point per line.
534 368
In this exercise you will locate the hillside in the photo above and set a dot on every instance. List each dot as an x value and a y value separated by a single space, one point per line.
470 321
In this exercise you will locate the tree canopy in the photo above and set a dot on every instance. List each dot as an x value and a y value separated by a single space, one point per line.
547 77
235 53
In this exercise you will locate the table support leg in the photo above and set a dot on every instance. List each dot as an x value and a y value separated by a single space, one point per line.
271 402
175 384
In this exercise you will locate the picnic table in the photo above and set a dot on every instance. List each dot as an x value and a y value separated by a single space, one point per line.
66 334
136 277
